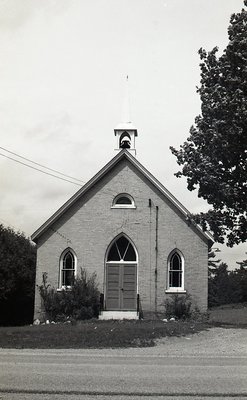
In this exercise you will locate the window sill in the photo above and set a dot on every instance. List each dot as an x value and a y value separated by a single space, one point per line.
175 290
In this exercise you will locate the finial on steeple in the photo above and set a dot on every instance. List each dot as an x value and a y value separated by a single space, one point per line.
125 132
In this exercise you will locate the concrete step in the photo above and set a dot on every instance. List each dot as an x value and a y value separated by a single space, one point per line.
118 315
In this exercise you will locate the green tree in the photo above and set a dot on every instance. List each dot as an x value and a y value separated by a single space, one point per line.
243 264
214 157
241 274
212 263
212 268
17 277
227 287
219 286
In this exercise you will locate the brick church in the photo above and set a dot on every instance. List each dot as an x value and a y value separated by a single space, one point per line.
128 228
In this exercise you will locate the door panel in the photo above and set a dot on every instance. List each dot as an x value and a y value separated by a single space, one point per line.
129 287
112 287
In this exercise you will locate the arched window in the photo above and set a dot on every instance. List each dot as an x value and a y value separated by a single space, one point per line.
67 269
121 250
123 200
176 271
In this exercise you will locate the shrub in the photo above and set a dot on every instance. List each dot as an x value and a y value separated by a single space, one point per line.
79 302
178 306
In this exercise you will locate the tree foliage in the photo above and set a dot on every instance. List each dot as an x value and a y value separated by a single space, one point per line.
17 277
214 157
212 263
243 264
226 287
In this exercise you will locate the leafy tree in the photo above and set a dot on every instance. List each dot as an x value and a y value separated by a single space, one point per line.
212 263
241 273
214 157
17 277
243 264
226 287
212 268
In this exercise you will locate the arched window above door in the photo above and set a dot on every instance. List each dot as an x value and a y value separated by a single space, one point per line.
121 250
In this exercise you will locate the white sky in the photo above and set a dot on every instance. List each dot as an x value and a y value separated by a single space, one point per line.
63 65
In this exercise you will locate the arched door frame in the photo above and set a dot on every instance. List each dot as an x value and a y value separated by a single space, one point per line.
121 262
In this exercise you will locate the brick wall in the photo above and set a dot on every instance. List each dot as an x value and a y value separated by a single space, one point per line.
90 225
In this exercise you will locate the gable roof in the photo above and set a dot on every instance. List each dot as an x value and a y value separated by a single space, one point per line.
121 155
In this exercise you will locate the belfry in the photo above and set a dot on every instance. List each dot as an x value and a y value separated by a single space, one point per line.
126 132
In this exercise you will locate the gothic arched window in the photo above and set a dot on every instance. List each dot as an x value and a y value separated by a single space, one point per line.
67 269
176 271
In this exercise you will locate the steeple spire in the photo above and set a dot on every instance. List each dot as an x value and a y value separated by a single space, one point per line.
126 116
126 132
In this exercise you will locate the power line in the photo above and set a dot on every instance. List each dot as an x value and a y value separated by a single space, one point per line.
105 190
108 191
37 169
40 165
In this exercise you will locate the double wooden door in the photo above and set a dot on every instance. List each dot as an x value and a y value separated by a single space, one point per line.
121 286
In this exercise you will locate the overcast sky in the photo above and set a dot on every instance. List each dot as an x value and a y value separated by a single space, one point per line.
63 65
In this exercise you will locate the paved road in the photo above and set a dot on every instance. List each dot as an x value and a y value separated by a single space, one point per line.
30 373
128 374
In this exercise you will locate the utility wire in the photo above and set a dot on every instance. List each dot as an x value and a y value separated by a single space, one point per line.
40 165
106 190
37 169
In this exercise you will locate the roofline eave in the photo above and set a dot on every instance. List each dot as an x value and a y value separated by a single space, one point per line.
98 176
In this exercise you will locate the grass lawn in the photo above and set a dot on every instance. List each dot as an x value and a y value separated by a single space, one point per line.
94 334
229 314
115 334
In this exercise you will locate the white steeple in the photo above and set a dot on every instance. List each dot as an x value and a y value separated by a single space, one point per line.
126 132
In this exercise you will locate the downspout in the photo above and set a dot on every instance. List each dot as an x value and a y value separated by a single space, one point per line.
150 251
156 257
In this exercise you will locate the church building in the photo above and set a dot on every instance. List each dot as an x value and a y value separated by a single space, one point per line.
128 228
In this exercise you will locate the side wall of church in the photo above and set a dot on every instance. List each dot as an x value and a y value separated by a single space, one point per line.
90 225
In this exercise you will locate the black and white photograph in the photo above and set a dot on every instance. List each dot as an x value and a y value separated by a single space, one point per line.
123 207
